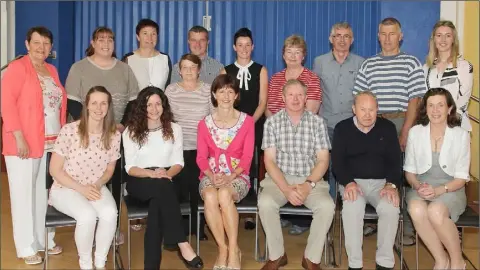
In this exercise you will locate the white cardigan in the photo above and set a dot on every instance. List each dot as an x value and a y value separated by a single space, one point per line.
454 156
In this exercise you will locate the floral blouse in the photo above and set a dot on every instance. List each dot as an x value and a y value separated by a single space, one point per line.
222 138
52 101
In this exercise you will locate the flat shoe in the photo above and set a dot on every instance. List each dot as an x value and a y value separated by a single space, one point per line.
34 259
54 251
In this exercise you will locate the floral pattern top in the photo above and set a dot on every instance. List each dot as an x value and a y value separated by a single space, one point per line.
222 138
85 165
52 101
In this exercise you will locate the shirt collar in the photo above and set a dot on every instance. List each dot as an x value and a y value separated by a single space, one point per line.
335 59
355 121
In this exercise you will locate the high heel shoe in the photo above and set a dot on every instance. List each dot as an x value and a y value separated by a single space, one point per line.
195 263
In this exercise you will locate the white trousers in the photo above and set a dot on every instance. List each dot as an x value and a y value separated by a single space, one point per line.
85 212
28 200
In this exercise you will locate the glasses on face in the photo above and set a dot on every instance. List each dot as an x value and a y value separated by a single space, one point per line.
339 37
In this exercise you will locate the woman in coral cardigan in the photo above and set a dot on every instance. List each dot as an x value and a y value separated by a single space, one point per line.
34 107
224 154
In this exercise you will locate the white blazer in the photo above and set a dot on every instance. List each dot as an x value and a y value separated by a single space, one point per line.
454 156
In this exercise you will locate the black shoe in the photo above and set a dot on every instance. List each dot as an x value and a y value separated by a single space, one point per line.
379 267
350 268
195 263
203 237
249 225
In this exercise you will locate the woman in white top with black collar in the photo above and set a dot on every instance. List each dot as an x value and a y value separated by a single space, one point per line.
437 163
447 69
151 67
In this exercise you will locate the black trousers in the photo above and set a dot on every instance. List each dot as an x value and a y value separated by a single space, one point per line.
164 216
186 185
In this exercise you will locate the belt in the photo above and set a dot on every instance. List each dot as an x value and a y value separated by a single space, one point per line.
392 115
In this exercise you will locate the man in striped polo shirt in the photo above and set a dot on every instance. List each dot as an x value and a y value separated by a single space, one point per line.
198 45
397 80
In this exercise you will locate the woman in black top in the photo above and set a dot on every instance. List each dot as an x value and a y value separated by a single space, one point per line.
253 81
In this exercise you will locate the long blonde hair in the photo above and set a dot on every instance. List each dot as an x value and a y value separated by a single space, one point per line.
433 51
109 126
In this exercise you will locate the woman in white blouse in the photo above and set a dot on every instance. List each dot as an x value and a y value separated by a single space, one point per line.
437 163
447 69
151 67
153 148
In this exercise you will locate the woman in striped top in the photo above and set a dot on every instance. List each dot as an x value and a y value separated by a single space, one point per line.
294 52
447 69
190 102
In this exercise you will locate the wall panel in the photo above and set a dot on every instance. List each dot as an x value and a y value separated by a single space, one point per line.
272 21
173 17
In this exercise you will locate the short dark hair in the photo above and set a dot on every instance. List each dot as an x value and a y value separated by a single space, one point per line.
391 21
198 29
224 81
192 58
42 31
453 119
242 32
146 23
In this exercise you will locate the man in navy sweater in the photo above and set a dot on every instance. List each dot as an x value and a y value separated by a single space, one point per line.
367 162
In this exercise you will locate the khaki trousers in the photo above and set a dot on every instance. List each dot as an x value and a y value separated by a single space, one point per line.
270 199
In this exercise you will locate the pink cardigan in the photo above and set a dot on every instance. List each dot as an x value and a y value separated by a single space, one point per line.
22 106
241 147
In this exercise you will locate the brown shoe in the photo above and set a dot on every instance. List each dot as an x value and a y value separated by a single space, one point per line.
307 264
274 265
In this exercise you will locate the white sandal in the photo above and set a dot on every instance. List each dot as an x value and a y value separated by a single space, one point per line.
33 260
53 251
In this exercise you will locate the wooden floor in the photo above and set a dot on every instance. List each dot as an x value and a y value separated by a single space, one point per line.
294 247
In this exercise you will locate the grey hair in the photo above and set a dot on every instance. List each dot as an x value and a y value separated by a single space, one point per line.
364 93
294 82
340 25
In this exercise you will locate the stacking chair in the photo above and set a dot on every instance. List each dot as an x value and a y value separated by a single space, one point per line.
54 218
371 214
469 219
139 210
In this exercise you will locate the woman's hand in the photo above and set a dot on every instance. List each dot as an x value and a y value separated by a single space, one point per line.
426 191
22 146
219 179
90 192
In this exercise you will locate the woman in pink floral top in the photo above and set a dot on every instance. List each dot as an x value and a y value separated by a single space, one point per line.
224 155
83 161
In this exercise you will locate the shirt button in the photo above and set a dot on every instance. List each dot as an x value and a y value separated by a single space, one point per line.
444 166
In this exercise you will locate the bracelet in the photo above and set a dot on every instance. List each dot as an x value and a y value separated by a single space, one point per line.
446 188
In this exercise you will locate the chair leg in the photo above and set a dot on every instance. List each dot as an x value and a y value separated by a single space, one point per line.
129 247
416 249
256 237
198 233
114 250
401 245
45 264
340 232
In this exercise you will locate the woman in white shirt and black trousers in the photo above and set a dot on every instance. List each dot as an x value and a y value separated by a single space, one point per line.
153 148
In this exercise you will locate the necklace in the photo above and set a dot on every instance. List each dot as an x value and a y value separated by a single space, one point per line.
154 129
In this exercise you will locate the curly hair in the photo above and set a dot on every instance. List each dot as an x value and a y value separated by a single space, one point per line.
137 122
453 119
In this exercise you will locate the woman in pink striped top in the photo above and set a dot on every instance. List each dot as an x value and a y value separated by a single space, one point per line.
224 154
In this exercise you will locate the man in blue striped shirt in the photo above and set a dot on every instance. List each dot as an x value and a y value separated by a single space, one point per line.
397 80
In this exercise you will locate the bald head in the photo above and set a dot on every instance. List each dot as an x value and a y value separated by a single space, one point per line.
365 108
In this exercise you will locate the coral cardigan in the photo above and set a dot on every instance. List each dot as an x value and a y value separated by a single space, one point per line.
22 106
241 147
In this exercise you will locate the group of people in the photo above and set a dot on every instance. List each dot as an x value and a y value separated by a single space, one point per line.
190 131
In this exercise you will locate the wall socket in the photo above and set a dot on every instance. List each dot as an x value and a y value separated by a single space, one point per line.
53 55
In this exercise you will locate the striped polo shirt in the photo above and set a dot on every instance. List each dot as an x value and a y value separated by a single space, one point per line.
394 80
188 108
274 98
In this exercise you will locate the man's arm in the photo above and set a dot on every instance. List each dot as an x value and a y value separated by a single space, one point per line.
321 166
393 162
409 122
273 170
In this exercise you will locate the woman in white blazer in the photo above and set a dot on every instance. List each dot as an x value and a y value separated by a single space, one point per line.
437 162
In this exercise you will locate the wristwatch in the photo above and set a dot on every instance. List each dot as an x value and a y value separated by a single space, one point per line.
391 185
312 184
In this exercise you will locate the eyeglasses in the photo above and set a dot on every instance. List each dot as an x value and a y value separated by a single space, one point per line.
338 37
